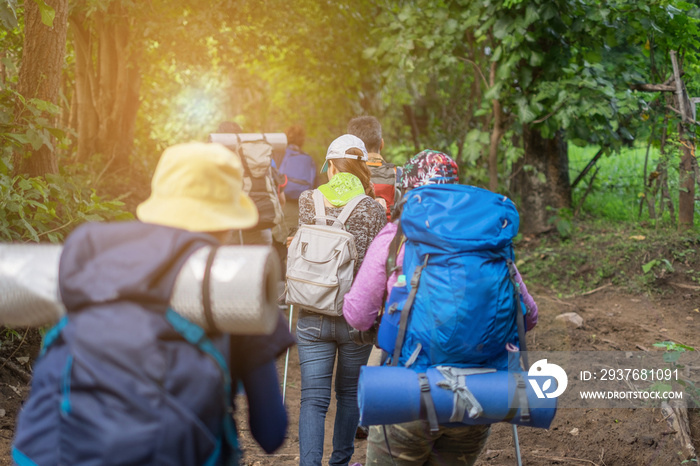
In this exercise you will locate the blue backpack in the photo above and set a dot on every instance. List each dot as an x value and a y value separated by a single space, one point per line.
300 170
457 302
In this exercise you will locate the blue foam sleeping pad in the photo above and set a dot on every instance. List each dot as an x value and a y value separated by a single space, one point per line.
391 395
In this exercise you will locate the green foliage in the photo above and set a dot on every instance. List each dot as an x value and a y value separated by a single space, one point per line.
8 14
602 252
618 188
562 219
42 209
31 128
673 346
38 209
264 67
663 262
672 354
47 13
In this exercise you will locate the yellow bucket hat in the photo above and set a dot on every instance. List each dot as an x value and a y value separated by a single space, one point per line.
198 187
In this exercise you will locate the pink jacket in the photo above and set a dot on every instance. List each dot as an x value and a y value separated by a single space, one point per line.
363 301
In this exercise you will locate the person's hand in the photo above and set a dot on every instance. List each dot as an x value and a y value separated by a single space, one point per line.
289 240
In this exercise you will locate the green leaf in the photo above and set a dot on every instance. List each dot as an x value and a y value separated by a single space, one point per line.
536 59
500 28
8 14
30 229
649 265
45 106
21 138
668 265
47 13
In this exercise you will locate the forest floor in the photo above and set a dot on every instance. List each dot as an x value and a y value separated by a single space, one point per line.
626 310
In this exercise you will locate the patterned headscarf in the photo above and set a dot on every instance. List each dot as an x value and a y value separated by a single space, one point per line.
429 167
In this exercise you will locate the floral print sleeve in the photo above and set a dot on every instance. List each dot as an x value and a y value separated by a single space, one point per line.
365 222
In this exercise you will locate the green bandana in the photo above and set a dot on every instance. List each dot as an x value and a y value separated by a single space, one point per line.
342 188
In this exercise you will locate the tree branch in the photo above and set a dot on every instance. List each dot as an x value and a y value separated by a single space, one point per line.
653 87
551 113
477 68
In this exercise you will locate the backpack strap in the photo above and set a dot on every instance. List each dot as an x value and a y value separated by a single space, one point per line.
195 335
519 400
206 291
403 323
519 319
298 181
394 248
319 207
244 162
426 403
463 400
350 207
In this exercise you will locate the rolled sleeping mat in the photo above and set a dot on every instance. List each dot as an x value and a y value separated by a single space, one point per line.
392 395
278 141
243 284
29 295
243 289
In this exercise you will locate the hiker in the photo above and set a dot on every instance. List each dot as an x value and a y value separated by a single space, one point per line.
383 173
261 182
124 379
413 443
300 170
321 336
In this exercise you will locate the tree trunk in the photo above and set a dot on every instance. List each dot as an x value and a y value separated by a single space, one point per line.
411 120
40 77
86 122
686 195
108 82
542 180
496 135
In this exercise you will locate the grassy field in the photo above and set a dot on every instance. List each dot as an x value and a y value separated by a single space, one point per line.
619 184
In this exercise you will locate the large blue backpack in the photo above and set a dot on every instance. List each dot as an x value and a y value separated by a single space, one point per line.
300 170
459 305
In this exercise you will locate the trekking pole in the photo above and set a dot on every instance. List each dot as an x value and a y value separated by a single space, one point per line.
517 445
286 358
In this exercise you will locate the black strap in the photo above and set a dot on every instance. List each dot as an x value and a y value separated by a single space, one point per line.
298 181
394 246
388 448
391 266
519 319
415 282
519 400
427 405
206 292
244 162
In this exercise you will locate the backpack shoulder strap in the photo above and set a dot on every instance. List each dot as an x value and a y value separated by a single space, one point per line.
406 311
319 207
241 155
195 335
349 207
394 248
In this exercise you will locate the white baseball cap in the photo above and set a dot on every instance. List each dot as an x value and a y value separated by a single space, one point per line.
338 149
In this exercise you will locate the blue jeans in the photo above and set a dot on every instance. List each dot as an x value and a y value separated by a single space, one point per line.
319 338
